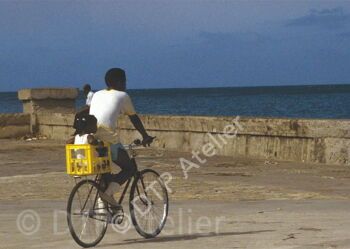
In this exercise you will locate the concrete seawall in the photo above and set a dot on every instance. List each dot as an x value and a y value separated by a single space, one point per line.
14 125
303 140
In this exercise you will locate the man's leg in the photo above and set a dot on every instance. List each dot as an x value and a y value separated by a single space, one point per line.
114 181
127 167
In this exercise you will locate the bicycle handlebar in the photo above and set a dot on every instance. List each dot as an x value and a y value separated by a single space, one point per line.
135 143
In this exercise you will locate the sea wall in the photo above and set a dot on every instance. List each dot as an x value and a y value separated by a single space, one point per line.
14 125
38 100
47 100
50 112
302 140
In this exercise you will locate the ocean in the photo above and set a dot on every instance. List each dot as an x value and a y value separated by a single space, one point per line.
318 101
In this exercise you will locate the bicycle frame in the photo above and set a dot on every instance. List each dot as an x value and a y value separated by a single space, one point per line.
95 185
134 177
121 198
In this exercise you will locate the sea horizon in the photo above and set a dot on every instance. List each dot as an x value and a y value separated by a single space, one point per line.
292 101
205 87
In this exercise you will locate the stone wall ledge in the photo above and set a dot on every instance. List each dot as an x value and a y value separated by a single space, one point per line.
302 140
7 119
14 125
281 127
48 93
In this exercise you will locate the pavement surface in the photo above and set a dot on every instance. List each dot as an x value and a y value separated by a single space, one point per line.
226 203
194 224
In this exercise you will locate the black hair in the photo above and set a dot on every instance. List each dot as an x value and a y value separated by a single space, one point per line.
115 78
84 124
87 87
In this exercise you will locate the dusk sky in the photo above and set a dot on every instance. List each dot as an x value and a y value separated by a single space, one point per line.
164 44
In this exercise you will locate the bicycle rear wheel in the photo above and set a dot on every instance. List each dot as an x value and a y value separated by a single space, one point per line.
86 214
149 203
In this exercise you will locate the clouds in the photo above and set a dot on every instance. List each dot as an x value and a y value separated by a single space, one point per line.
232 37
334 18
174 43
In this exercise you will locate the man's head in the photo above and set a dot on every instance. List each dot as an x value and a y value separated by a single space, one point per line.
86 89
115 79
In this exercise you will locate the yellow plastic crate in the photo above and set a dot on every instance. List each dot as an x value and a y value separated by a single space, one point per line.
83 160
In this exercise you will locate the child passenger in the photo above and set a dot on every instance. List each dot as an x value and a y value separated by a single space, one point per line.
85 126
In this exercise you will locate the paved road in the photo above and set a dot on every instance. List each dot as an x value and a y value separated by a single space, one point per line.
227 203
197 224
36 169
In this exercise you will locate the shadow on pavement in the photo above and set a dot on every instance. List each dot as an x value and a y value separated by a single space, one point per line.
180 237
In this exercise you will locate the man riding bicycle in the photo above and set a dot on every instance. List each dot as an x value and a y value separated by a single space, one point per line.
106 106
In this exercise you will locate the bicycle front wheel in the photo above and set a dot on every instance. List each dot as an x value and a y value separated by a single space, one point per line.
86 214
149 203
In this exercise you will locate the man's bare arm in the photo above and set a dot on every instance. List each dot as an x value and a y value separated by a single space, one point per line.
137 123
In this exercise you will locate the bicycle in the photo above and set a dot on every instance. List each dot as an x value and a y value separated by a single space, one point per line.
148 206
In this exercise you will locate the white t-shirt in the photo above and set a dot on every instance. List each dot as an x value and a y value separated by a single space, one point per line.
89 98
106 106
80 154
81 139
